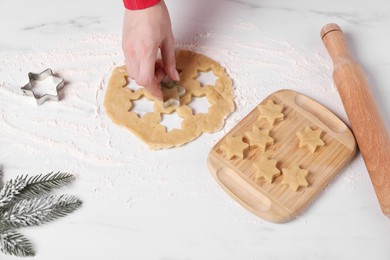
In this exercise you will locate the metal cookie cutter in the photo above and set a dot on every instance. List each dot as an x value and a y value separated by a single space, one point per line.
28 89
172 93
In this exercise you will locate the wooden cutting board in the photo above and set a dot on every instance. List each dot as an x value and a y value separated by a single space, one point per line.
274 201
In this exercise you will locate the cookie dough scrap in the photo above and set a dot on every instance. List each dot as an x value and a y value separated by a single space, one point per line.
294 177
271 112
118 103
266 168
310 138
234 146
259 138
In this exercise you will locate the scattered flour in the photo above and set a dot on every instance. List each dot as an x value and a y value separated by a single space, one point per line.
76 135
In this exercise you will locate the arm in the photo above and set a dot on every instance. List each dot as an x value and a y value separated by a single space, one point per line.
144 33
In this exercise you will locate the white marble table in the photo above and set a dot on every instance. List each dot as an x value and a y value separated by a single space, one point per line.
140 204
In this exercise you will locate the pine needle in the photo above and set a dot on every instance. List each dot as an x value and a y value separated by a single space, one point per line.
1 176
25 201
11 190
43 184
37 211
14 243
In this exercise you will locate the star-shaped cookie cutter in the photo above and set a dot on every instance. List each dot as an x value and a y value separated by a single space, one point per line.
172 93
28 89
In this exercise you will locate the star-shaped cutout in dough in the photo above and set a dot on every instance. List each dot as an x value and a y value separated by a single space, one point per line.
271 112
294 177
266 168
234 147
259 138
172 93
310 139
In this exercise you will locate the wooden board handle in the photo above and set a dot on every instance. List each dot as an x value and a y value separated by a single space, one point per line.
369 129
247 194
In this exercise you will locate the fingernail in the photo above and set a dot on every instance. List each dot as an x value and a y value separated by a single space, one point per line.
177 76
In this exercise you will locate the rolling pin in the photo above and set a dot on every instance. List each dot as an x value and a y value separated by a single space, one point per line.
366 123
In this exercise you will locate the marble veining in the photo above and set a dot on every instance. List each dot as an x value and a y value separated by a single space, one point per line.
81 23
246 4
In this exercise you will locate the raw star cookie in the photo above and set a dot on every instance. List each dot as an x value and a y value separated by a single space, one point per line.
266 168
294 177
234 147
118 103
271 112
310 139
259 138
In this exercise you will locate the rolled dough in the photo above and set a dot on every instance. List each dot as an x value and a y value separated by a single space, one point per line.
119 99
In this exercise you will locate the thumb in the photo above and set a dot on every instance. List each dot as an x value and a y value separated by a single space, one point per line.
169 58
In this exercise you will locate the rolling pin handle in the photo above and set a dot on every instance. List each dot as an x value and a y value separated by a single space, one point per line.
334 41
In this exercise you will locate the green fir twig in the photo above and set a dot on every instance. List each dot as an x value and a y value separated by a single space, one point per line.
25 201
11 189
37 211
43 184
14 243
1 176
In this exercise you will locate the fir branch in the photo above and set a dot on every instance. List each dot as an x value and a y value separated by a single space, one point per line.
37 211
14 243
11 190
1 176
43 184
23 203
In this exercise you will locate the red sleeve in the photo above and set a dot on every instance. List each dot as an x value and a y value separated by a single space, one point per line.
139 4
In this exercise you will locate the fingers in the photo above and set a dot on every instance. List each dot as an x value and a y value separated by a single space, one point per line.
146 72
169 58
155 90
148 77
155 87
144 32
159 71
132 62
147 63
132 69
144 68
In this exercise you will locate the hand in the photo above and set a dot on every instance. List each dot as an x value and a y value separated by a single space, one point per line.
144 33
